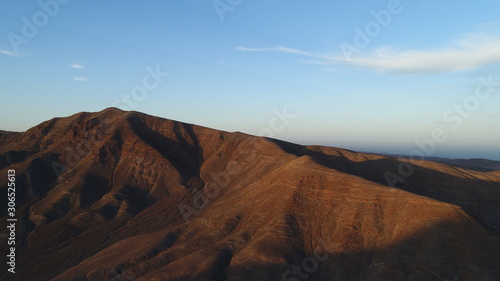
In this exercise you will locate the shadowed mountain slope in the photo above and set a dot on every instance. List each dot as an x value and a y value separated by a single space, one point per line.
476 164
118 195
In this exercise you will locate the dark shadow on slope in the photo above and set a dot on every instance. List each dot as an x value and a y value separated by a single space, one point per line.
184 156
430 255
136 198
477 197
38 179
41 176
13 157
442 251
461 251
93 189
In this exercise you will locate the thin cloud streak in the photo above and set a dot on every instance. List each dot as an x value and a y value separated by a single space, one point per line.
8 53
469 53
334 98
78 66
80 79
280 49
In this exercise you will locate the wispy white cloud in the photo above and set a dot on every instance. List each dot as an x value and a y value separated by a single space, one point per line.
80 79
470 52
344 98
276 49
8 53
466 55
78 66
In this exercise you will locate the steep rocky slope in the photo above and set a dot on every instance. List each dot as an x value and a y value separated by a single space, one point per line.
117 195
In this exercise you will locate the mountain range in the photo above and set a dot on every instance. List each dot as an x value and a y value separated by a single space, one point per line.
475 164
121 195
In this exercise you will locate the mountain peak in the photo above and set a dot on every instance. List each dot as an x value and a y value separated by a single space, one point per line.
166 200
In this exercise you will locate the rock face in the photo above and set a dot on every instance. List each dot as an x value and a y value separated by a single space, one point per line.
118 195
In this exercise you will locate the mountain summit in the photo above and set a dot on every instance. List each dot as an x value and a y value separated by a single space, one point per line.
118 195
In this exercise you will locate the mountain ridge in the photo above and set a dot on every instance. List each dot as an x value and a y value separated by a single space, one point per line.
137 195
475 164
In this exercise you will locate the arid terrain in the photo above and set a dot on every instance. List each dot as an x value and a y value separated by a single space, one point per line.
119 195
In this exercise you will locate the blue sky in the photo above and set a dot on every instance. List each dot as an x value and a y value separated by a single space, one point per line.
376 76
